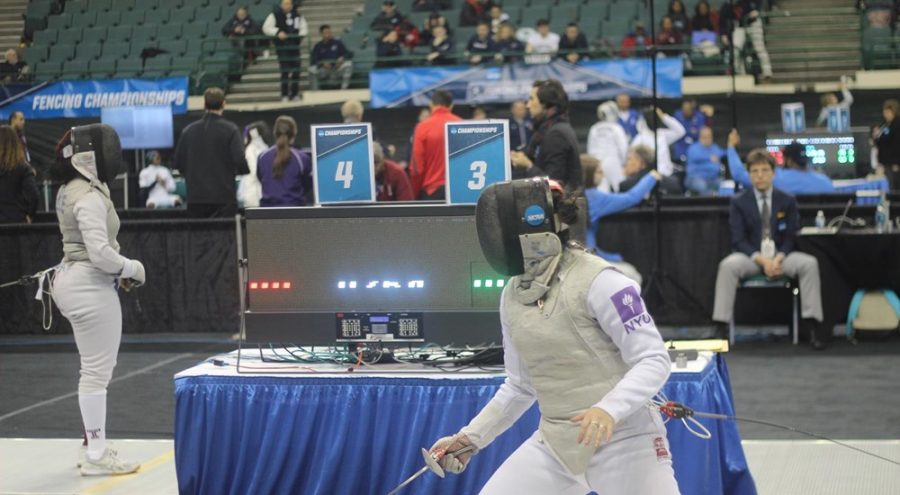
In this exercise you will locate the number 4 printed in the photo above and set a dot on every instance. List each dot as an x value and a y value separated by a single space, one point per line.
344 173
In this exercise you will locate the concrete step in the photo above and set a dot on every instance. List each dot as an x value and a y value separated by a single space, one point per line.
261 97
811 76
800 66
835 56
813 30
822 21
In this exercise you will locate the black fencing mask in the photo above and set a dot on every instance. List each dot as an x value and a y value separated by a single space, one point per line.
95 151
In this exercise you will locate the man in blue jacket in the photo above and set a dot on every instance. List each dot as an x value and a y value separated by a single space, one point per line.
764 223
329 59
793 178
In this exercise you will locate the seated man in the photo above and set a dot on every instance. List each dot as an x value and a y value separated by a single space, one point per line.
793 178
704 160
764 223
329 59
481 47
390 179
639 162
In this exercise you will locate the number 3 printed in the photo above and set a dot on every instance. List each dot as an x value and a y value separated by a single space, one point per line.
344 173
478 169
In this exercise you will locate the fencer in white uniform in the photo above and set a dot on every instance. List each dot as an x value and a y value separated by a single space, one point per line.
159 178
85 284
578 339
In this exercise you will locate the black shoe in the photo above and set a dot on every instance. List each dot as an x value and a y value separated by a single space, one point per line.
811 327
818 345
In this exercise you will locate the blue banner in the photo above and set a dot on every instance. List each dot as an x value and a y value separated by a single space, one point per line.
65 99
589 80
343 166
477 156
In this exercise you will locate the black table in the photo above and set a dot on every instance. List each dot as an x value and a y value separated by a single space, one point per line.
852 260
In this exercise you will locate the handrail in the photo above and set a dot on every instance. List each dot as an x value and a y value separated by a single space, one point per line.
23 94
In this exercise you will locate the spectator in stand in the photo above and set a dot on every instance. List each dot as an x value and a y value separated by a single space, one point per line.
352 112
388 18
887 139
670 132
608 143
409 34
736 24
543 41
626 116
330 59
257 139
497 18
573 46
441 47
481 47
473 12
391 181
693 121
553 149
520 126
389 48
13 70
284 171
434 19
426 169
156 181
704 19
636 41
239 26
668 40
17 122
703 172
288 28
509 48
639 162
209 154
830 100
430 5
792 178
678 14
19 194
479 113
602 203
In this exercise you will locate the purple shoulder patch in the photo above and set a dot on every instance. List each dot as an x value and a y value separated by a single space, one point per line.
629 305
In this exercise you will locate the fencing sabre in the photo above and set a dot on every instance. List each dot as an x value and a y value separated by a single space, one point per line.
431 464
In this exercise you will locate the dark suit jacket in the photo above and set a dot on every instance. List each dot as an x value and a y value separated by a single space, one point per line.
746 226
209 154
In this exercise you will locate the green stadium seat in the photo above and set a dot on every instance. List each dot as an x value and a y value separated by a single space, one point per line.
76 69
212 14
116 50
129 67
195 30
100 5
36 53
108 19
61 53
260 11
76 6
132 18
169 5
158 17
144 33
39 9
46 37
123 5
183 15
157 66
102 69
47 71
59 22
138 48
88 51
84 20
175 48
170 31
182 66
515 4
146 5
530 15
118 33
70 36
566 13
94 35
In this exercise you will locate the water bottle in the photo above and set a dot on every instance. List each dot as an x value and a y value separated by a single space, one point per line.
881 215
820 220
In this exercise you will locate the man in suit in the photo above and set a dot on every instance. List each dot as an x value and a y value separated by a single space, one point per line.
764 223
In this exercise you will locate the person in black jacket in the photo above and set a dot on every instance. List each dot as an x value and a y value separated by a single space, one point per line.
330 58
389 48
209 154
509 48
239 26
888 142
639 162
573 46
18 191
388 18
288 28
553 149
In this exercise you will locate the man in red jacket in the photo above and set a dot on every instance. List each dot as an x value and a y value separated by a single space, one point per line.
428 164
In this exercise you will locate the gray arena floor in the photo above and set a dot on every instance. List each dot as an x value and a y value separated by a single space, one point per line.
848 392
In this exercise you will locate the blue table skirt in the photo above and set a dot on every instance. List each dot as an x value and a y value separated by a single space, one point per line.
262 435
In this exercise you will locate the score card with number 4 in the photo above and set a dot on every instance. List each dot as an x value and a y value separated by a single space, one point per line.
477 156
343 166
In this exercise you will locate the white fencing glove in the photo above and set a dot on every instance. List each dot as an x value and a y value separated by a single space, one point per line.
133 271
450 462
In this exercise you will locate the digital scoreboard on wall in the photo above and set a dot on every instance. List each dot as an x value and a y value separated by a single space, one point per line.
388 273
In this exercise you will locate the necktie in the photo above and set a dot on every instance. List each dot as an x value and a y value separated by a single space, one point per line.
765 216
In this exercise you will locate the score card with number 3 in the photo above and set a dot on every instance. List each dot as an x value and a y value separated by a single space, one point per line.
343 166
477 156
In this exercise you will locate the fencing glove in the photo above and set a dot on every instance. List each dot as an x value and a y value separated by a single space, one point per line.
451 462
134 272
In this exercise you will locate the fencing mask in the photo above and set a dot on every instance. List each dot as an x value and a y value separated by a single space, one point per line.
95 151
508 214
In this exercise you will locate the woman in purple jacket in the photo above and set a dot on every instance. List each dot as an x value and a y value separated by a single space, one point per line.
284 171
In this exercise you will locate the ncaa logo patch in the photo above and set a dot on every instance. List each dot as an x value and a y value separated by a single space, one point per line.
534 215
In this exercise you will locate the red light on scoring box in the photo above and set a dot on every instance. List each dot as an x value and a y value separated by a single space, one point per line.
254 285
276 285
270 285
264 285
286 285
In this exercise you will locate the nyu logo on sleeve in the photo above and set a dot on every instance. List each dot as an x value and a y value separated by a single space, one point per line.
630 307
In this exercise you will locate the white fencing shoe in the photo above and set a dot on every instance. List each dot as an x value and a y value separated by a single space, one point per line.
109 464
82 455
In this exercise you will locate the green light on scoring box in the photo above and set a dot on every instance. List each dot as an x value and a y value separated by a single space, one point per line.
476 283
500 283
